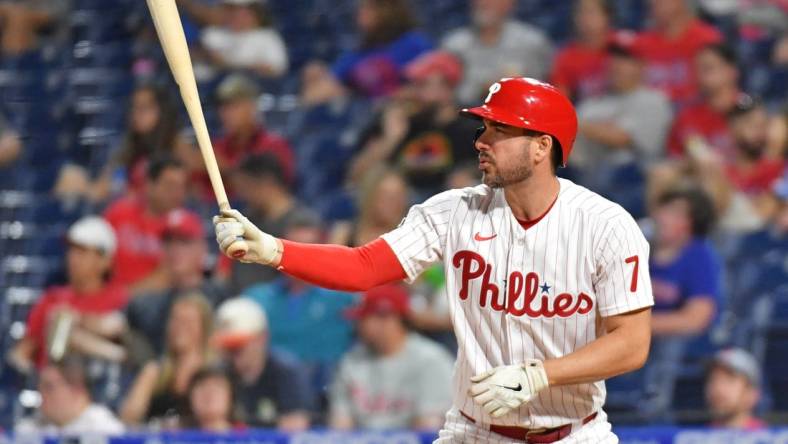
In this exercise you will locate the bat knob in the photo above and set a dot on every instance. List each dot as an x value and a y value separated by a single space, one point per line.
238 248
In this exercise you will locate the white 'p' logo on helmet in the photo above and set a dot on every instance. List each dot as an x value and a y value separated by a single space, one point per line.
494 88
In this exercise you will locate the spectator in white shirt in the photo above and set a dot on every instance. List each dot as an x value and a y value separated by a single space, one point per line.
66 405
239 36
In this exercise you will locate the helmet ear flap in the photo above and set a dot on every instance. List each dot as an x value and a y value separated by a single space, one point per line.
478 133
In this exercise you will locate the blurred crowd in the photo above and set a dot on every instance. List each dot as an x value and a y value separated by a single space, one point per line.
140 324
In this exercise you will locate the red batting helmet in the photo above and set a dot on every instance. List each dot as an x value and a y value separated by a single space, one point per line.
530 104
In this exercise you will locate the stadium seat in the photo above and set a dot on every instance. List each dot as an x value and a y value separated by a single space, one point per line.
26 271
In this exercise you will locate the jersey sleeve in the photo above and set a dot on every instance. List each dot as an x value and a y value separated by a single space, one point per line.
622 282
420 239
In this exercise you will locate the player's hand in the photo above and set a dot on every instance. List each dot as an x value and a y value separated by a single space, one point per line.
503 389
232 228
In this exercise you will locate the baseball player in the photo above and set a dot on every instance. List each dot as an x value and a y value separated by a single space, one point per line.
548 282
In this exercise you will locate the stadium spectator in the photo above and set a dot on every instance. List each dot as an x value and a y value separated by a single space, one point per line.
184 262
740 183
426 141
752 171
496 45
211 402
580 68
159 391
744 180
706 119
263 188
242 134
10 145
66 404
139 222
381 382
733 387
273 390
685 268
25 21
151 131
670 47
622 130
86 307
382 202
295 307
239 35
387 41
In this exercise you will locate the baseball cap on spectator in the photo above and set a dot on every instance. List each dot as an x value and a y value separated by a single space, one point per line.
93 232
738 361
238 320
385 299
183 224
236 87
435 62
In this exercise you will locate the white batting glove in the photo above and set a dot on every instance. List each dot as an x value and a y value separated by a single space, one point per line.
233 229
503 389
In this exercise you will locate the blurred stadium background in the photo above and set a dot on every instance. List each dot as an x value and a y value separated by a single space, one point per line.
349 125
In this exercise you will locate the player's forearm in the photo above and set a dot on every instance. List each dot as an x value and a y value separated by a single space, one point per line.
342 268
619 351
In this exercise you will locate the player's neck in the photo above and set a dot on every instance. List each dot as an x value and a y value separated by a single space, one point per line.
530 198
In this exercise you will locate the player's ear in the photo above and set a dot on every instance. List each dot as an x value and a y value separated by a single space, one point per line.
543 146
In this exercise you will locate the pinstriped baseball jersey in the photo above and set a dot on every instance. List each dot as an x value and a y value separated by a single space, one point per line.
516 294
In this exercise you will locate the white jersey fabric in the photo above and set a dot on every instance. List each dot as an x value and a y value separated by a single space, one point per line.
517 294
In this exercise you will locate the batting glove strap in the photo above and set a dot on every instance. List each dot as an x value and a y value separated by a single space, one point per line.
537 377
503 389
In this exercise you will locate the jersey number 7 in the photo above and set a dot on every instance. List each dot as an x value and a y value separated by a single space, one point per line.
633 287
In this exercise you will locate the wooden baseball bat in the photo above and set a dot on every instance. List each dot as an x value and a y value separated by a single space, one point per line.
170 30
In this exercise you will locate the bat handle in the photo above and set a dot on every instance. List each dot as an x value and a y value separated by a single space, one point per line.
239 248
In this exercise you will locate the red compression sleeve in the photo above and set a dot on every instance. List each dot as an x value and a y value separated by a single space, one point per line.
342 268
